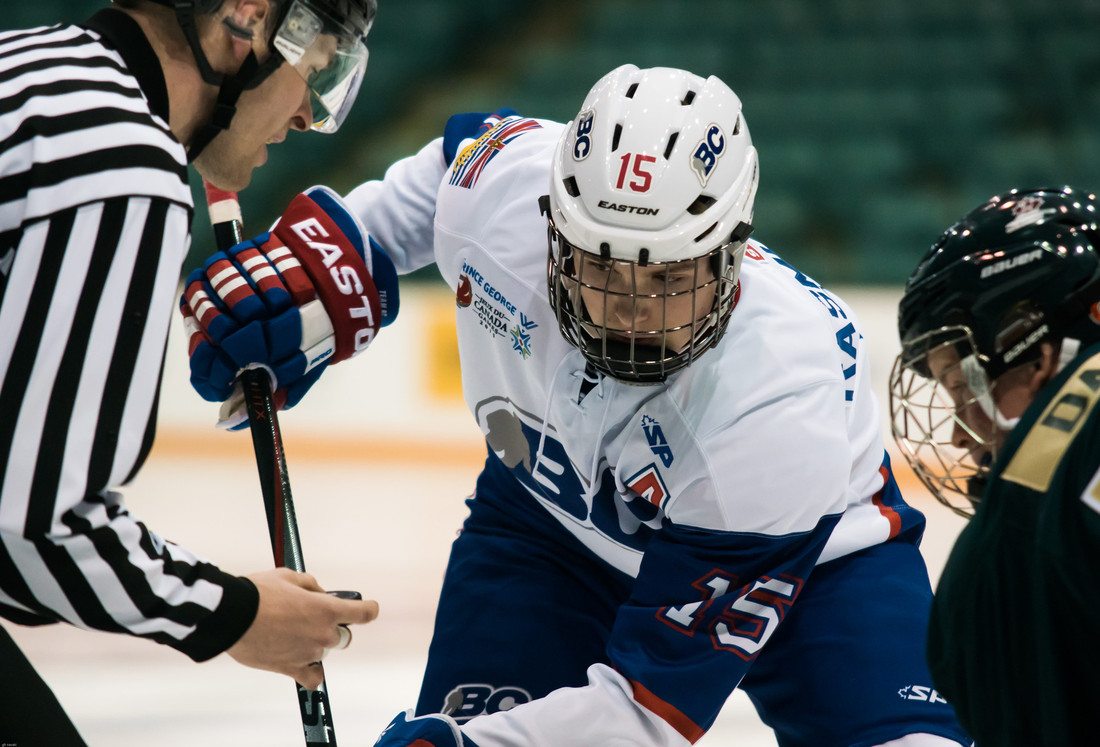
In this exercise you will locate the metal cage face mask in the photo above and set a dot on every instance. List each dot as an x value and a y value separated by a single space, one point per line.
641 322
940 394
330 55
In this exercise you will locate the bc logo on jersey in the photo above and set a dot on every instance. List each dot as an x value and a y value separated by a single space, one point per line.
540 463
471 162
469 700
707 152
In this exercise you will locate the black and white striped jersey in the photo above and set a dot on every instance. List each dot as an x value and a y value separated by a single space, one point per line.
95 214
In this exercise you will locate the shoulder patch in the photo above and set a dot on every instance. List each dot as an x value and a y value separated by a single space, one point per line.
471 162
1041 452
464 128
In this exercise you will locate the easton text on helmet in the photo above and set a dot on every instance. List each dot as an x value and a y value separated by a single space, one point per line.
623 208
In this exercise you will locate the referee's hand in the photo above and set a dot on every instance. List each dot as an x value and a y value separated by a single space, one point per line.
295 623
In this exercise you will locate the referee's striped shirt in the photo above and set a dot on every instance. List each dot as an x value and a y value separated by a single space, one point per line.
95 214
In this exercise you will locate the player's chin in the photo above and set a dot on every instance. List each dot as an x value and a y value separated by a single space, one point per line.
654 344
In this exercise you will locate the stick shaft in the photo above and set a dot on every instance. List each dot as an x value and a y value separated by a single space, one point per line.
267 442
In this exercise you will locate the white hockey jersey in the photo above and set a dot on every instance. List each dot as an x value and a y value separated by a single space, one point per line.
766 447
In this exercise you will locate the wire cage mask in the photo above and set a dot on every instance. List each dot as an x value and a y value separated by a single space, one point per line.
641 321
943 417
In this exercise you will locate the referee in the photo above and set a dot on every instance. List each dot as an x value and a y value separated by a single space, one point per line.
98 122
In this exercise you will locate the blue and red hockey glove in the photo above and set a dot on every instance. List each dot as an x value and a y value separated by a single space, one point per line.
311 292
423 731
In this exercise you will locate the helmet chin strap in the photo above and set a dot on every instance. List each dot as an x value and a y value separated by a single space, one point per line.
978 381
1070 348
225 107
231 86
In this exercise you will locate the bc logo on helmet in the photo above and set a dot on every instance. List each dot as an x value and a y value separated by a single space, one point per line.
707 153
583 145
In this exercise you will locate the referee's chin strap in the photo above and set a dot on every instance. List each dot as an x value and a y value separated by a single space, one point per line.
232 86
225 107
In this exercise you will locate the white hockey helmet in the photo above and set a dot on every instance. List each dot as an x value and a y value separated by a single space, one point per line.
656 171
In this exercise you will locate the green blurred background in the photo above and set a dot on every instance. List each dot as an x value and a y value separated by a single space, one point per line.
878 122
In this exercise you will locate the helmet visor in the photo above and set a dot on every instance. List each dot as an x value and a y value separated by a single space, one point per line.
331 56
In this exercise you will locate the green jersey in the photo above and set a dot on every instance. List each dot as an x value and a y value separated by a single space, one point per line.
1014 637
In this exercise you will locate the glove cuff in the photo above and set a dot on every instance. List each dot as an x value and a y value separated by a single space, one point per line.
379 264
341 279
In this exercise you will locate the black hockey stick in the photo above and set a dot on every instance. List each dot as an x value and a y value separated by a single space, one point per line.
267 442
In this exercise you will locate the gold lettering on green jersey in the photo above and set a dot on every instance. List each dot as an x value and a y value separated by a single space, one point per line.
1034 463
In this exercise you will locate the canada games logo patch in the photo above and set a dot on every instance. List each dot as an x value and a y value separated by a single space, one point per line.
495 313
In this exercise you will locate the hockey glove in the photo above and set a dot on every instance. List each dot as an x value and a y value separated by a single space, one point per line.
424 731
313 291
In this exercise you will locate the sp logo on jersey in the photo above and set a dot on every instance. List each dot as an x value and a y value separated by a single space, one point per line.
920 692
707 152
658 444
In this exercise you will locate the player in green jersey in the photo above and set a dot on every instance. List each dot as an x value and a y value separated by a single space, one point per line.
995 401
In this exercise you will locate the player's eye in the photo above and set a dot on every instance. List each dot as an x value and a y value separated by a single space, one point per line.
958 390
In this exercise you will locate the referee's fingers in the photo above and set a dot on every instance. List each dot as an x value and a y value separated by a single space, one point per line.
310 677
355 611
303 580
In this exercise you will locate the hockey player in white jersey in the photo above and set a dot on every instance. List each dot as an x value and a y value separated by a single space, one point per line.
686 489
